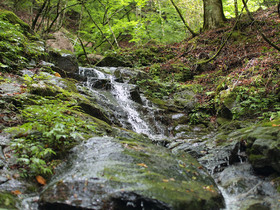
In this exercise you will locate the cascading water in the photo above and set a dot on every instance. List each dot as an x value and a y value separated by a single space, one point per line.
237 183
130 114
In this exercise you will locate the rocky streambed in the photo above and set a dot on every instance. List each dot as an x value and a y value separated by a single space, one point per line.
149 157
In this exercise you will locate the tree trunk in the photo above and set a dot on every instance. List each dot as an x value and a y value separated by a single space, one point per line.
213 14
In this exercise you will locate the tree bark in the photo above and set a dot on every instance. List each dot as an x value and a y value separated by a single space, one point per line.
213 14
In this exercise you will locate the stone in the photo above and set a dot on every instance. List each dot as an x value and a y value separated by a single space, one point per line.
135 95
60 41
65 62
102 84
111 61
130 173
94 111
263 149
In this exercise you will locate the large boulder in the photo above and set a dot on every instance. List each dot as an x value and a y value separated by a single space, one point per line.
113 61
130 173
68 63
60 41
263 149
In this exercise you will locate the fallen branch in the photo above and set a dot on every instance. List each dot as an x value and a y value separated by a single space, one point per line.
224 43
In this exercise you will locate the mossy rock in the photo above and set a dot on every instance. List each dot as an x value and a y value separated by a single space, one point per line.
43 90
126 172
94 111
8 201
67 63
111 61
262 147
13 19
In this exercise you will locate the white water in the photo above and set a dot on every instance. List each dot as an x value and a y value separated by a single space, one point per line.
147 124
121 92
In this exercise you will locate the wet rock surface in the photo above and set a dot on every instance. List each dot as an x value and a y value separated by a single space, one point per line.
130 173
66 62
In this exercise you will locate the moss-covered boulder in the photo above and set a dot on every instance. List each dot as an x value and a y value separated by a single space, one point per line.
262 144
130 173
113 61
17 45
66 62
15 20
264 149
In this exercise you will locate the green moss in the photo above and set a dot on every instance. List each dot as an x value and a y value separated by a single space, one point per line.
161 103
101 126
7 201
13 19
71 85
221 139
151 168
228 98
253 158
43 90
16 47
273 123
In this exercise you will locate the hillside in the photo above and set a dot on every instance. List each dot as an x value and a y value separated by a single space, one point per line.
164 126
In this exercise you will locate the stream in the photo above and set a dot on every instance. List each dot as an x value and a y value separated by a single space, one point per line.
123 171
240 187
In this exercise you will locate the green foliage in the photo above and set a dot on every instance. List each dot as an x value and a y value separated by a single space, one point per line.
252 101
51 128
228 6
197 117
155 89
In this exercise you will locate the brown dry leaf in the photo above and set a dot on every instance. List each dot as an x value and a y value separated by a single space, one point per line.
57 74
142 164
172 179
16 192
41 180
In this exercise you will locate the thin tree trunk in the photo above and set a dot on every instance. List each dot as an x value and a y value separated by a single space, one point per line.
34 22
103 35
236 8
183 20
161 19
85 52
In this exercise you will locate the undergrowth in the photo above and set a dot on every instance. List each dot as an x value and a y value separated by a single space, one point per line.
51 127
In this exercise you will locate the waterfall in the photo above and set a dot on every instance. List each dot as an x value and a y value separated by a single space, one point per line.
131 115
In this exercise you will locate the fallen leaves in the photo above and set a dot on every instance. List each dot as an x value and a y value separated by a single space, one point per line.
143 165
41 180
209 188
57 74
168 180
16 192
